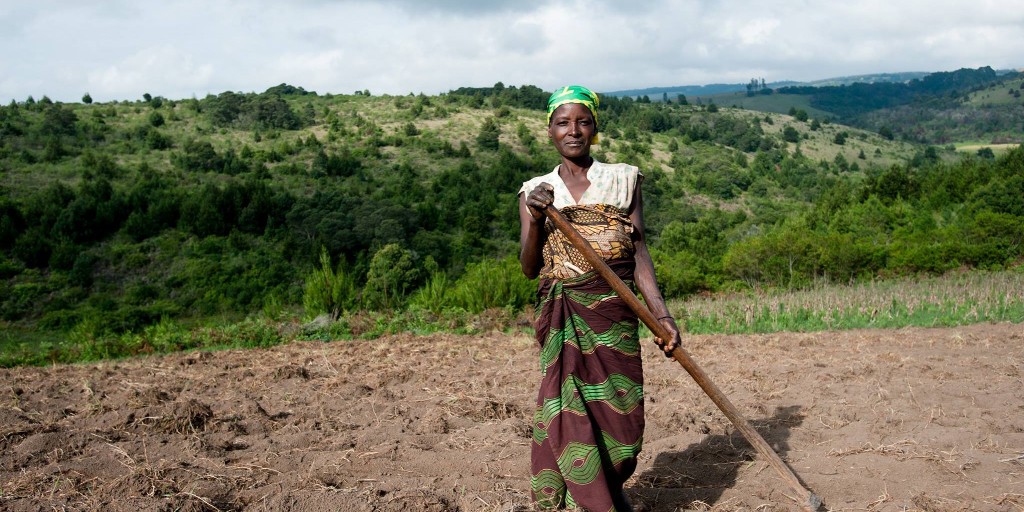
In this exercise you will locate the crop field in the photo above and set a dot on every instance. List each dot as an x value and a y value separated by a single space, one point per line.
905 419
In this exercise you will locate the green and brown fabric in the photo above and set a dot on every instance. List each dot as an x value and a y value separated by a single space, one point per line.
589 422
606 227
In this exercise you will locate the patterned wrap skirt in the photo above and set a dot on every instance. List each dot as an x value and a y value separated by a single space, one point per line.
589 422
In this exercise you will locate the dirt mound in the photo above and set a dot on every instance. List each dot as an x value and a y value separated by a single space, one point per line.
923 419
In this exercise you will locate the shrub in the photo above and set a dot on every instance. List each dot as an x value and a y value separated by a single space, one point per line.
391 275
493 283
789 134
328 290
434 295
488 136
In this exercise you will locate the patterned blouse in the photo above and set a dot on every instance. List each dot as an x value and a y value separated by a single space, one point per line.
601 216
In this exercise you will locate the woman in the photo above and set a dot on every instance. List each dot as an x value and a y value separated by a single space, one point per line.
589 421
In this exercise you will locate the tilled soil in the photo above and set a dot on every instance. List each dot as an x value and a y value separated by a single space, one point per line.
912 419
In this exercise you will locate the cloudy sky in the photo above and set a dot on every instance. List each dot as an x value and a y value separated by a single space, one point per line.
121 49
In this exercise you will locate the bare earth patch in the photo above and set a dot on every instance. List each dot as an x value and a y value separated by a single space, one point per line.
913 419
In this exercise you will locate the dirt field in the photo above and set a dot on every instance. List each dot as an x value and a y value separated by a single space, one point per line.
915 419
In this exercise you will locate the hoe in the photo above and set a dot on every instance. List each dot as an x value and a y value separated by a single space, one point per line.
804 497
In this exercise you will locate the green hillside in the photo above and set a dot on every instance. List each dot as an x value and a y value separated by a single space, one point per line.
122 216
777 103
963 107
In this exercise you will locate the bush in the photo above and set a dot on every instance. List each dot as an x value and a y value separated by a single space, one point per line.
493 283
789 134
328 290
391 275
488 136
434 295
679 273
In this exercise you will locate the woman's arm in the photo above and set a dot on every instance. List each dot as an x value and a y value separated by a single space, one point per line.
531 228
644 276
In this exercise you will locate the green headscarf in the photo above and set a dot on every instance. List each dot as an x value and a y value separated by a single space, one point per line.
574 94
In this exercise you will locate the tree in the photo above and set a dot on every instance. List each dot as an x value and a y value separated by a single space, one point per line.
391 275
58 120
789 134
841 162
784 256
86 99
488 136
12 223
328 290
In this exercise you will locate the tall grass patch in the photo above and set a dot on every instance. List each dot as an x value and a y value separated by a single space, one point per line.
83 344
949 300
488 284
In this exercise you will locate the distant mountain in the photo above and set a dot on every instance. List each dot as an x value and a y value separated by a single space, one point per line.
656 93
875 78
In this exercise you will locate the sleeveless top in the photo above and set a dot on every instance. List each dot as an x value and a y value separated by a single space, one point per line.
601 217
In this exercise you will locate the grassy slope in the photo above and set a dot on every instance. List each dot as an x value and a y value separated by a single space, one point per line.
445 122
994 96
997 95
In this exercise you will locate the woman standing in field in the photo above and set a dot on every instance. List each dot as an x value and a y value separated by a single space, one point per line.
589 422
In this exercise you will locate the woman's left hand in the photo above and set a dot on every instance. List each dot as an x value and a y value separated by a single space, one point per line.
669 324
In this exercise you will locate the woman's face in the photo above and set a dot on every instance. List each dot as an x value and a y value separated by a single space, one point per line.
572 128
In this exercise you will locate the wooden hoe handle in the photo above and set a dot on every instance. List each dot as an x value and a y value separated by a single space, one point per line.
805 498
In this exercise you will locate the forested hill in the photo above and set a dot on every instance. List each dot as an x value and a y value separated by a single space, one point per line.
850 101
115 215
957 107
674 91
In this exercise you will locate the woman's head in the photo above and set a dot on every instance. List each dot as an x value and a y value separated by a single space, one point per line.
572 118
573 94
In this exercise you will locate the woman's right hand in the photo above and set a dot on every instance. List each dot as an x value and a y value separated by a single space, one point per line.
540 198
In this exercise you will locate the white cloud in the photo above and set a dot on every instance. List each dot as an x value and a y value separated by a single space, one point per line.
153 70
121 49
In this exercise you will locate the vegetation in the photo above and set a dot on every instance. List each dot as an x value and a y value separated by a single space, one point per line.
942 108
131 227
954 299
937 109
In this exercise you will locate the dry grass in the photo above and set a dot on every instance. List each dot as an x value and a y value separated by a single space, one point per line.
954 299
